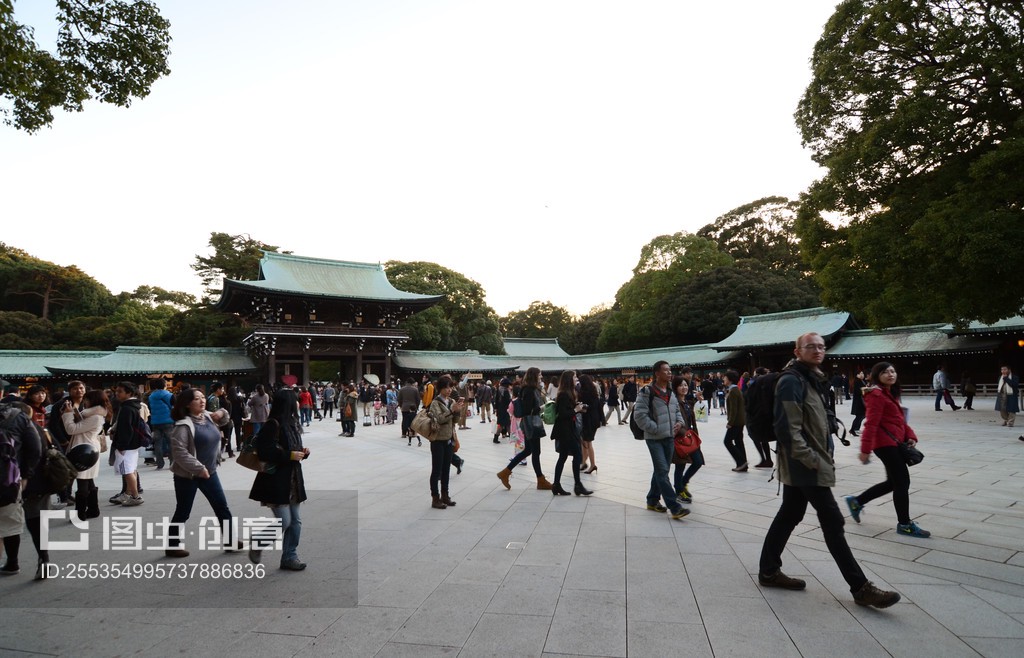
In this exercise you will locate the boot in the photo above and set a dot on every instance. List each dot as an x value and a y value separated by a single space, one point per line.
436 503
503 475
557 490
446 499
92 509
580 490
543 484
81 504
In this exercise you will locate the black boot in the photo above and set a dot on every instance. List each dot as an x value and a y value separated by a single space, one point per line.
557 490
81 504
92 508
580 490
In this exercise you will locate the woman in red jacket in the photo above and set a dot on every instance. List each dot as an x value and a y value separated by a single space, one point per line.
884 426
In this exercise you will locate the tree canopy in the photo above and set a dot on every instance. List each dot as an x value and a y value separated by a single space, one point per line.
462 320
538 320
234 257
761 230
915 110
110 50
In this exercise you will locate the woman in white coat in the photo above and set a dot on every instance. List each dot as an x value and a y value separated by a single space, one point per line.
85 427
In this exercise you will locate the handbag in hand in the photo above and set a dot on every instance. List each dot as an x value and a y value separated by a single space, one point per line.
533 427
424 425
910 454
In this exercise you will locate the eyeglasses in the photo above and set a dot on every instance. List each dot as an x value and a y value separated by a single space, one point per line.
816 348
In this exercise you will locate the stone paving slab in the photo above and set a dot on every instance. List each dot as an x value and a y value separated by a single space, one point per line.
524 573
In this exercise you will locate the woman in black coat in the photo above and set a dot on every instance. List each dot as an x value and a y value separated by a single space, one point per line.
566 434
281 487
593 418
857 405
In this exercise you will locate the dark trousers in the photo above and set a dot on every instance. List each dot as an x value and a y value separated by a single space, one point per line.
440 465
530 447
185 495
897 482
857 420
407 417
734 444
574 451
791 513
682 477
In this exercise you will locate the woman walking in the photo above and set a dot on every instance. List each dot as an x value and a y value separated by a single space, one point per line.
531 403
445 413
259 408
884 428
282 490
857 405
349 411
593 418
682 477
566 433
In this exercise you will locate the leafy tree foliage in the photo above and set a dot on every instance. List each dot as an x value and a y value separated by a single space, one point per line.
581 337
202 326
24 331
234 257
46 289
110 50
915 110
538 320
637 318
761 230
461 321
708 307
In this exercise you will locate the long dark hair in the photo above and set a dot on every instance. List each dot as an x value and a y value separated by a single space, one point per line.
877 370
283 406
567 384
588 392
98 398
182 401
532 378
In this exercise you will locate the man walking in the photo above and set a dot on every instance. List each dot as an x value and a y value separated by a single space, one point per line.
160 403
735 420
807 473
126 443
657 414
629 397
484 397
328 400
940 384
409 402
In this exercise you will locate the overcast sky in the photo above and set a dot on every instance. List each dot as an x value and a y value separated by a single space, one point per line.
533 146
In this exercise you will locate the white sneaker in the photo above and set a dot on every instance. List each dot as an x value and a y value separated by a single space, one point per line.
120 499
132 501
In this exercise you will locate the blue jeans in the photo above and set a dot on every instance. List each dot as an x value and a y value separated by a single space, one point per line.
661 457
256 427
683 478
306 415
291 525
185 494
162 443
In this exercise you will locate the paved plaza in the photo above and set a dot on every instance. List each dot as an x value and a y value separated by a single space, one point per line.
523 573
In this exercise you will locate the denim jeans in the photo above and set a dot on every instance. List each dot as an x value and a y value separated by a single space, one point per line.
291 526
683 478
661 457
306 414
162 443
185 494
791 513
530 447
440 465
256 427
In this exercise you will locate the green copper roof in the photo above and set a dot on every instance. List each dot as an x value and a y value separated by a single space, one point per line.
151 360
919 340
533 348
318 277
453 363
1007 325
686 355
775 329
32 363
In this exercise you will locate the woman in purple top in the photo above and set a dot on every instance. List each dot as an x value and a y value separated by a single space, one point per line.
195 448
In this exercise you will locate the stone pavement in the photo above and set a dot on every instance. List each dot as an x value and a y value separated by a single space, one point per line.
523 573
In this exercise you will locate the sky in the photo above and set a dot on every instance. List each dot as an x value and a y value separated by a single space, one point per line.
534 146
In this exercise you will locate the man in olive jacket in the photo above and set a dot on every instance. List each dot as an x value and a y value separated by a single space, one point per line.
807 473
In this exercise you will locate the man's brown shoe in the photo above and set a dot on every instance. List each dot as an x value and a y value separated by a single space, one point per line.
871 595
780 580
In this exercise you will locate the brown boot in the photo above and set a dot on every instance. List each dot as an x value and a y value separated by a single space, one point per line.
446 499
503 475
436 503
543 484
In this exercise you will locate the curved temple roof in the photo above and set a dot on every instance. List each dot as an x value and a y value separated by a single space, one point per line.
774 329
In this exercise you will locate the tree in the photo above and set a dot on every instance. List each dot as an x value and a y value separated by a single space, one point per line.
202 326
234 257
581 338
538 320
462 320
637 317
37 286
710 304
25 331
914 109
761 230
110 50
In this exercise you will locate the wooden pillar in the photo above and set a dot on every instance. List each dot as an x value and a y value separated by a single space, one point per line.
359 366
387 368
271 368
305 369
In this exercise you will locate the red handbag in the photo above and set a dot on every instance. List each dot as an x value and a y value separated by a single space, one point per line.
687 443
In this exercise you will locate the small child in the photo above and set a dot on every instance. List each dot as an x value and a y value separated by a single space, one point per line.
378 413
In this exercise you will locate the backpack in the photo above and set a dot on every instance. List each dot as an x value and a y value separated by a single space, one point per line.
638 433
10 472
517 408
548 414
759 400
143 433
55 470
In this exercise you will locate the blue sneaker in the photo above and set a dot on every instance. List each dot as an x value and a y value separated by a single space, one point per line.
911 530
855 507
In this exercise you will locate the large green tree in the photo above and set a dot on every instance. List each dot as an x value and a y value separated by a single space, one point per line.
667 261
110 50
462 320
234 257
915 111
49 290
24 331
761 230
538 320
581 338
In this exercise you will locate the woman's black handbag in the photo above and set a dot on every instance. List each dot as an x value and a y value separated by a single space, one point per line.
911 455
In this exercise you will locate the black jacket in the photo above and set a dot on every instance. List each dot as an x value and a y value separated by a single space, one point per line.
124 433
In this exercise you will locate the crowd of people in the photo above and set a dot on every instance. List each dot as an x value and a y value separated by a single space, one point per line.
192 430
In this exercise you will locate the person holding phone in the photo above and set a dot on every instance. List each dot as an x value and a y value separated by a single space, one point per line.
566 434
444 412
